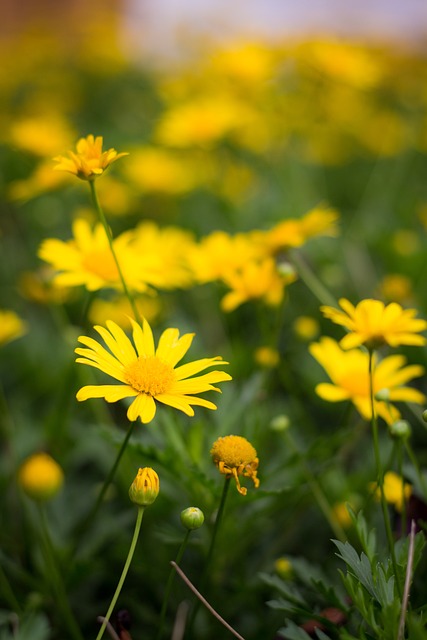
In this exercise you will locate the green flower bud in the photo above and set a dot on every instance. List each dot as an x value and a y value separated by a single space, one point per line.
280 423
383 395
145 488
401 429
192 518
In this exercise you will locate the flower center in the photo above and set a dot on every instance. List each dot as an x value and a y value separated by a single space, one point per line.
234 451
149 374
102 264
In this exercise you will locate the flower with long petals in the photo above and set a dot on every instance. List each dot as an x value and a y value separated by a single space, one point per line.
89 161
373 323
349 373
235 456
146 373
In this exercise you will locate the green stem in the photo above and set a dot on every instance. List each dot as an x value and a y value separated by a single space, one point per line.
317 288
400 471
414 461
91 516
318 493
380 472
113 252
169 585
8 593
55 576
124 572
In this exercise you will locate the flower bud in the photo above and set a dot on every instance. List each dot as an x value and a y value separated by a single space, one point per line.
383 395
280 423
192 518
284 568
145 488
40 476
401 429
424 415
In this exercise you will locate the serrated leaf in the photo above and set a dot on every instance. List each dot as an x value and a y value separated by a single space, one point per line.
289 591
359 566
293 632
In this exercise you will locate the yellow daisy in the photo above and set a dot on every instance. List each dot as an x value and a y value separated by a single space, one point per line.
89 161
373 323
147 373
349 373
396 491
11 326
235 456
87 259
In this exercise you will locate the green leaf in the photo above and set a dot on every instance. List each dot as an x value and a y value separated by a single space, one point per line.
360 567
293 632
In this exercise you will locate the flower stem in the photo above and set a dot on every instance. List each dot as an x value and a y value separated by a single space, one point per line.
56 578
169 584
380 472
317 492
124 572
103 219
317 288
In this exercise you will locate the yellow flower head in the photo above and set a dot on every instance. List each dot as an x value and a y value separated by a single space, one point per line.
396 491
349 373
373 323
284 568
87 259
306 328
40 476
11 326
89 161
235 456
147 373
145 488
267 357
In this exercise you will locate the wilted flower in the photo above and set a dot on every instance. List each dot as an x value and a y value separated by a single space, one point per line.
235 456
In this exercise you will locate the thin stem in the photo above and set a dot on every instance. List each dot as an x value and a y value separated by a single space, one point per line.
8 593
169 584
55 576
316 287
380 472
111 243
124 572
318 493
109 627
205 602
91 516
403 497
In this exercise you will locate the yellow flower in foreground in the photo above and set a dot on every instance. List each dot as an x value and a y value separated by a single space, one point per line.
349 373
145 488
235 456
89 161
147 373
11 326
373 323
40 476
87 259
396 491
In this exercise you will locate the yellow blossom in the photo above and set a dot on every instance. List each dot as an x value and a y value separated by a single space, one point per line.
396 287
153 169
145 487
284 568
373 323
87 259
11 326
255 281
89 161
267 357
39 287
306 327
396 490
235 456
349 373
147 373
119 310
40 476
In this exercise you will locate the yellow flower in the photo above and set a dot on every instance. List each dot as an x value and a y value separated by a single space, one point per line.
145 488
341 513
119 310
146 373
267 357
152 169
235 456
90 161
254 281
39 287
11 326
349 373
396 287
396 491
306 327
284 568
373 323
87 259
40 476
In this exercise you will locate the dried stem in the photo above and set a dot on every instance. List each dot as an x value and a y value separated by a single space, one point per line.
108 627
408 579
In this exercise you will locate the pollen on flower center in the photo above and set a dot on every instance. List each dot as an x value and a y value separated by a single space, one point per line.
234 451
149 374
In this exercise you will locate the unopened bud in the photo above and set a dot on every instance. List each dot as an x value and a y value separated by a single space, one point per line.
145 488
401 429
383 395
192 518
280 423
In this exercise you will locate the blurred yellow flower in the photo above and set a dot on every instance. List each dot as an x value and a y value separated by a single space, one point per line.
87 259
153 169
284 568
119 310
147 373
235 456
373 323
267 357
255 281
306 327
11 326
395 287
396 490
89 161
39 287
349 373
40 476
42 135
341 513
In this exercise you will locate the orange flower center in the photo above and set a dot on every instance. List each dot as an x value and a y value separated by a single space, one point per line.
102 264
149 374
